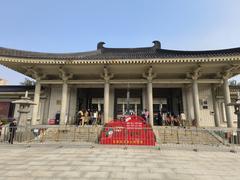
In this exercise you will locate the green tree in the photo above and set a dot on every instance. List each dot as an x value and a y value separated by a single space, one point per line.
233 83
28 82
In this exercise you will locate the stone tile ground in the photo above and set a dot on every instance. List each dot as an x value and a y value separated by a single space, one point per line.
76 162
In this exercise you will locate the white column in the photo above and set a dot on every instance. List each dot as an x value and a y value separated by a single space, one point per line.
150 101
227 100
106 102
63 112
215 108
36 101
196 105
223 110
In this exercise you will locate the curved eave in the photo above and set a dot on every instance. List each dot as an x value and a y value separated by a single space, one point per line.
6 60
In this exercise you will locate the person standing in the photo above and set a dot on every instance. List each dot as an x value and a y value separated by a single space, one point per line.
57 117
12 131
1 125
95 117
183 119
87 116
80 118
146 113
160 118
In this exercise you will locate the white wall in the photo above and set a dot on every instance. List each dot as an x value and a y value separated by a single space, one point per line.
40 116
46 105
206 115
55 101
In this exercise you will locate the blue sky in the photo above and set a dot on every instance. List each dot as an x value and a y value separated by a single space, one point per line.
75 25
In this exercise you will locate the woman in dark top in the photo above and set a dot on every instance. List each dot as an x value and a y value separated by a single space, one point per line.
12 131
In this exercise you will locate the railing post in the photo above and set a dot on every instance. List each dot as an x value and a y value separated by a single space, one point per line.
191 136
158 137
238 133
126 137
28 129
88 132
74 134
177 137
164 136
57 135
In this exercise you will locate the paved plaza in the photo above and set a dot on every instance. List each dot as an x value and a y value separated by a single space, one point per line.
79 162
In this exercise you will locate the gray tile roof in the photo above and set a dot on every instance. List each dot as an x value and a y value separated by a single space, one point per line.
103 53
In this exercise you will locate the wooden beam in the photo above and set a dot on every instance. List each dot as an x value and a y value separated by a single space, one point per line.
51 81
133 81
85 81
128 81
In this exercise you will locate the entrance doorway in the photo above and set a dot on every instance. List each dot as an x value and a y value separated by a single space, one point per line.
167 100
91 101
90 98
122 104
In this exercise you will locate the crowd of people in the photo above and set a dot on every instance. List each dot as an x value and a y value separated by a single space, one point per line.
171 119
166 119
88 117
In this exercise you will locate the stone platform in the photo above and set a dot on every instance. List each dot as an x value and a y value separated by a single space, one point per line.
103 162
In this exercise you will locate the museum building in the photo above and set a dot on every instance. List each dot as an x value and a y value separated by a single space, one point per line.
111 79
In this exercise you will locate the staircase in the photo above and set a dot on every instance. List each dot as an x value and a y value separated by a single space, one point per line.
179 135
71 134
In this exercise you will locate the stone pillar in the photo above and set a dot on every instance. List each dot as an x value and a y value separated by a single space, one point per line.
189 99
63 112
106 101
196 105
106 76
150 101
223 112
36 101
227 100
215 107
150 75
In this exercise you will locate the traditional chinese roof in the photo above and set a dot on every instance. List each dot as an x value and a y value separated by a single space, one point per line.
104 53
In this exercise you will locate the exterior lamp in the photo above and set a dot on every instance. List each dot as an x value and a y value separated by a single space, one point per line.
24 108
237 112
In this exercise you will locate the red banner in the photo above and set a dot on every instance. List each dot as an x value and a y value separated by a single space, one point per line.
132 130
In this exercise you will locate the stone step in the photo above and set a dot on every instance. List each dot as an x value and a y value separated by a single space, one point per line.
86 134
183 136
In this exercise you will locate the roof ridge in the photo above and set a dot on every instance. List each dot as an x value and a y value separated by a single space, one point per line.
102 53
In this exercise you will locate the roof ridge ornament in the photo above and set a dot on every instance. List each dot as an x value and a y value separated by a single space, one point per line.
100 45
63 74
149 74
157 44
106 75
